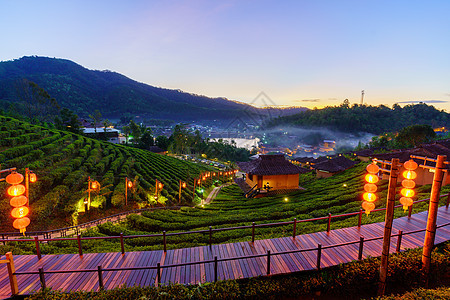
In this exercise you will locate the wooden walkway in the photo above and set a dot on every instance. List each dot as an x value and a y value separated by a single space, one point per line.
231 269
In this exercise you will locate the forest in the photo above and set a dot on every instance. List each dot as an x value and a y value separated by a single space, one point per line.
365 118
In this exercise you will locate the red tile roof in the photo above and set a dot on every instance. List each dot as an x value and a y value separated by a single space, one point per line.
337 164
271 165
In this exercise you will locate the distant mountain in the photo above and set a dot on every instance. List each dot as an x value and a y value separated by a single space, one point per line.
83 91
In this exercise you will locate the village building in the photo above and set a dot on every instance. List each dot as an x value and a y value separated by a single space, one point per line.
269 174
424 175
332 166
308 162
364 155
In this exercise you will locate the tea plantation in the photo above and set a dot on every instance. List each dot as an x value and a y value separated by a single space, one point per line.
63 162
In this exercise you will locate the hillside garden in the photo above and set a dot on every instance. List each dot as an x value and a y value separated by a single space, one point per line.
64 161
336 195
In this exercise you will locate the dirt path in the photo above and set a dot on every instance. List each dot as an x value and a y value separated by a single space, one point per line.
214 192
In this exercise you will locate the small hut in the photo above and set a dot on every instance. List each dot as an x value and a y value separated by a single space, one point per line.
270 173
332 166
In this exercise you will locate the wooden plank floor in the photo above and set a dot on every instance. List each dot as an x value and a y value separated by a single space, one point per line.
242 268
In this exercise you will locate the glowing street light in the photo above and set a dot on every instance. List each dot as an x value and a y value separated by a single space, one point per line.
128 185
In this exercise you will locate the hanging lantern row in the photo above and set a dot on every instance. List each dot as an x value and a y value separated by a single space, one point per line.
20 210
408 184
370 188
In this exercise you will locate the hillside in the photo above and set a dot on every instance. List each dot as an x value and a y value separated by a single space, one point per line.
63 162
83 91
365 118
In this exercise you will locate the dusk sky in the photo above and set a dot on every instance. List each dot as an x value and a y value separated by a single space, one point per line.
304 53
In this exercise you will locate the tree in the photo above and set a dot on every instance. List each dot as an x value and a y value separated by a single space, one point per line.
126 131
95 118
415 135
146 139
37 103
68 120
162 142
135 131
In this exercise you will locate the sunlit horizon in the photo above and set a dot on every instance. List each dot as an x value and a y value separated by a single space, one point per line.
299 53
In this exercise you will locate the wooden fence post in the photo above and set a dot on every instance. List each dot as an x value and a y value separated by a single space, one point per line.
158 273
100 277
295 228
42 278
253 232
319 255
399 240
164 241
268 262
210 236
122 247
215 268
11 271
38 250
329 223
80 251
410 210
360 217
361 246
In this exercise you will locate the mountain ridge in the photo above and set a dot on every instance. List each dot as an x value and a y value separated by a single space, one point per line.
113 94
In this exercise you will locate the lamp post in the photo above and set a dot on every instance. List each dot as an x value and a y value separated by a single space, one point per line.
182 184
128 185
29 177
432 209
388 224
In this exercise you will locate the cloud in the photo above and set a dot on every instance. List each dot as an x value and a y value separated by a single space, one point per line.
422 101
307 100
447 94
333 99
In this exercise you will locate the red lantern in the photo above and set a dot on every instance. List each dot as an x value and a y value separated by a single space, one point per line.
20 212
21 223
16 190
18 201
160 185
370 178
14 178
183 185
33 177
372 168
408 183
406 202
370 187
368 207
409 174
407 192
94 185
129 184
410 165
369 197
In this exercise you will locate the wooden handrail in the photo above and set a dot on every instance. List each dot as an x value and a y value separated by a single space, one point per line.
210 231
226 259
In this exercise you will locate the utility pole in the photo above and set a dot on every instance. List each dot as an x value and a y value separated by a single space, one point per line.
388 225
362 97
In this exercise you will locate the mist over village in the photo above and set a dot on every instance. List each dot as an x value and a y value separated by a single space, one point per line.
224 150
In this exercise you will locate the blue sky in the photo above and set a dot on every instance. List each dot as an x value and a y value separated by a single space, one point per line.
305 53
